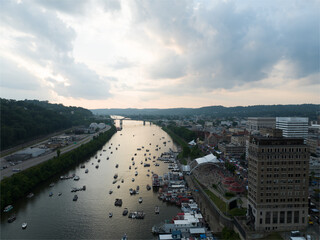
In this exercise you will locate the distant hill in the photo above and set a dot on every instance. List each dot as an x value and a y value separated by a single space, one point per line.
25 120
302 110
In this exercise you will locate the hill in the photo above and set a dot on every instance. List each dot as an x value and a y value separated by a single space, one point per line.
302 110
22 121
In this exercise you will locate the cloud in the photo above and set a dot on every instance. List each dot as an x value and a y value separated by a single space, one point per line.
48 43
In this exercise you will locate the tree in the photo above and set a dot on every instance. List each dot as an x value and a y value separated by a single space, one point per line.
58 152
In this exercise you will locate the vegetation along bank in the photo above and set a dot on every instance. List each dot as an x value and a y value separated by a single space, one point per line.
20 184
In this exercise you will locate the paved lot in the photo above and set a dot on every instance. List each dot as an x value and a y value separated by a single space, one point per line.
34 161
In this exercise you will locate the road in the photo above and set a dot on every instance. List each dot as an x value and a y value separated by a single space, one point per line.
35 161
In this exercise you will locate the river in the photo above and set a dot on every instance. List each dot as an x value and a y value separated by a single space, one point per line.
59 217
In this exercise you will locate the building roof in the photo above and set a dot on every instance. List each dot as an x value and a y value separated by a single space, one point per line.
197 230
208 158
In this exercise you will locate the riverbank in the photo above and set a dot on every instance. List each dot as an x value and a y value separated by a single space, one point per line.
20 184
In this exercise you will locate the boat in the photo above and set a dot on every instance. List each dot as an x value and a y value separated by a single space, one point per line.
110 192
141 162
148 175
51 185
99 160
122 181
129 167
156 209
148 187
50 194
60 193
97 166
110 214
136 173
140 200
107 158
125 212
137 215
133 163
132 179
138 149
117 165
115 176
118 186
86 171
75 198
8 208
132 158
24 225
138 188
114 181
146 165
118 202
76 178
82 166
124 237
12 219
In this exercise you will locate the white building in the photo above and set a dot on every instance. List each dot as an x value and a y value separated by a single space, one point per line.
293 126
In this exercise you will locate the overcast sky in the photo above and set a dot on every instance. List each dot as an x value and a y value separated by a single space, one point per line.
160 54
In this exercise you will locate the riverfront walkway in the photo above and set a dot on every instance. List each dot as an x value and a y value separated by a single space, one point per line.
35 161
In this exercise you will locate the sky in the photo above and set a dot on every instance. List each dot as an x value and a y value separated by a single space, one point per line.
160 54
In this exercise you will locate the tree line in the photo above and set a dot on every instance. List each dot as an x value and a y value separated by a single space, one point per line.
25 120
20 184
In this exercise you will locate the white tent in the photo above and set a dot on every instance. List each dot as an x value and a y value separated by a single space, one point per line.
192 143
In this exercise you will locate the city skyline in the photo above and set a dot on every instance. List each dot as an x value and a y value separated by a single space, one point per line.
160 54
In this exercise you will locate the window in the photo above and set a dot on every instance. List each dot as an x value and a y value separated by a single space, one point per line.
268 217
296 216
275 217
289 216
282 217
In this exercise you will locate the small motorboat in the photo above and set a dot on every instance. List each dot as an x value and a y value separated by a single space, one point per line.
86 171
110 192
60 193
110 214
76 178
124 237
118 186
125 212
117 165
97 166
24 225
8 208
157 209
75 198
12 219
140 200
132 179
122 181
30 195
51 185
50 194
129 167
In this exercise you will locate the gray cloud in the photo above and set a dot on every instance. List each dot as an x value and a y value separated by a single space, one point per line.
228 44
49 42
14 77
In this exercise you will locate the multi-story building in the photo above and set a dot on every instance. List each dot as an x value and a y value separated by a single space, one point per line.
278 183
293 126
256 123
232 150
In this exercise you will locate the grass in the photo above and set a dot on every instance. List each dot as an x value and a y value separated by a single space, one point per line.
222 205
217 201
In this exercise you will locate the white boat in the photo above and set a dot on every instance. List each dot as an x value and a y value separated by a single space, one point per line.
76 178
132 179
110 192
86 171
140 199
136 173
157 209
110 214
24 225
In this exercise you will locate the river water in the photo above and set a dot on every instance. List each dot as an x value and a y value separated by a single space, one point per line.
59 217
